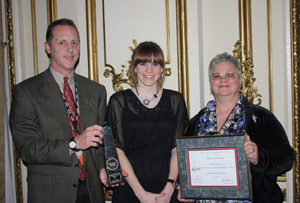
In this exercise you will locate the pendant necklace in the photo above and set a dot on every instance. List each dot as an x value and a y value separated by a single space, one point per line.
146 102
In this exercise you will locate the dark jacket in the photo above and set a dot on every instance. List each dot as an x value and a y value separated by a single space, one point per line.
41 131
276 156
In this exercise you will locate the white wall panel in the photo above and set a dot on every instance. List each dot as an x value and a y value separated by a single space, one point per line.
260 50
22 40
279 68
195 56
76 10
217 28
141 20
41 27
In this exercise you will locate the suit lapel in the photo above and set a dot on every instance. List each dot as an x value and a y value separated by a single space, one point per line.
84 104
55 103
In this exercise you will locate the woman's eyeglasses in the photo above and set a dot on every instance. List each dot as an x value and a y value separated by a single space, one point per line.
218 76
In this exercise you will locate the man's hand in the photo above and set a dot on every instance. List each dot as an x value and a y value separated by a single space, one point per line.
91 137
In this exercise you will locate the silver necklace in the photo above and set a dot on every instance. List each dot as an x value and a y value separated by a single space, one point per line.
146 102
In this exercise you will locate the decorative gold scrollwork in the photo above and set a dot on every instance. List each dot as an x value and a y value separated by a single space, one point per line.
243 51
238 50
108 194
247 89
117 79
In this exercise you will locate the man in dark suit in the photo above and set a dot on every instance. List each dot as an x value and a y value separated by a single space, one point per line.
61 147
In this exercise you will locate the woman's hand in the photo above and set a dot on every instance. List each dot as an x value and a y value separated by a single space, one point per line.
251 151
182 199
148 197
168 191
103 178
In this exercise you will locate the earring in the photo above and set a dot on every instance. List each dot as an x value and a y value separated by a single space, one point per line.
160 78
135 78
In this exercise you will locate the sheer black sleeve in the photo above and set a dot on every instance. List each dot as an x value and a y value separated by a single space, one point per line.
113 117
180 113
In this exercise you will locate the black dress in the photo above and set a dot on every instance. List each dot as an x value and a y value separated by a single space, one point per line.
147 137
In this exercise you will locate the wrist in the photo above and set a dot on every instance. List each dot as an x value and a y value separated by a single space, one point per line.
169 188
174 183
140 193
73 144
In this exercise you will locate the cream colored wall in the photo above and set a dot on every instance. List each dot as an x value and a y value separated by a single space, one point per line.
76 10
139 20
127 20
213 28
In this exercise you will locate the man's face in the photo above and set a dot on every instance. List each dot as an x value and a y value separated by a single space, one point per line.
64 49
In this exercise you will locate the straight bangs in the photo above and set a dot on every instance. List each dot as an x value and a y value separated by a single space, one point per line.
146 54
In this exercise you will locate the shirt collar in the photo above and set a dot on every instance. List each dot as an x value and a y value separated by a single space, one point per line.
59 78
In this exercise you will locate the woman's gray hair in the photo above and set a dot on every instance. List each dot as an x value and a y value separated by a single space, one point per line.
224 57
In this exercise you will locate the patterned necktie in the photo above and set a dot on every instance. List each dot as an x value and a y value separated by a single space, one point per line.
74 121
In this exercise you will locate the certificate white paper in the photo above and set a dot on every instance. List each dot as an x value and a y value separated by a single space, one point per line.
213 167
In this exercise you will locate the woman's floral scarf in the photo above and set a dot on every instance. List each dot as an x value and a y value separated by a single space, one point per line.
236 125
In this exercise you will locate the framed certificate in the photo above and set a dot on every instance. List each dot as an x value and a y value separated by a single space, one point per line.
214 167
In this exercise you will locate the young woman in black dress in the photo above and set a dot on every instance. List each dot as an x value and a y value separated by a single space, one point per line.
145 121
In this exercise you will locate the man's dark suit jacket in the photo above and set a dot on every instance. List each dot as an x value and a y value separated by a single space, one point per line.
41 133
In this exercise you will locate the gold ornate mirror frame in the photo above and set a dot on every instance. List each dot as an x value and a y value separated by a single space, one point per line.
2 112
182 64
12 82
295 53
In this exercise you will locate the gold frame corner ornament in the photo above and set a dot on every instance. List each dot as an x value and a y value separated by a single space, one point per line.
117 79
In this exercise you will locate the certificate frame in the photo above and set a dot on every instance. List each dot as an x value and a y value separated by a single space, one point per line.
225 147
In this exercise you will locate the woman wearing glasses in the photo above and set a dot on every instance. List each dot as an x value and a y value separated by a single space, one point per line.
267 146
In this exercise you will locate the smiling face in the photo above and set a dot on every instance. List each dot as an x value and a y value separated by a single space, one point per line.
225 86
64 49
147 61
148 73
